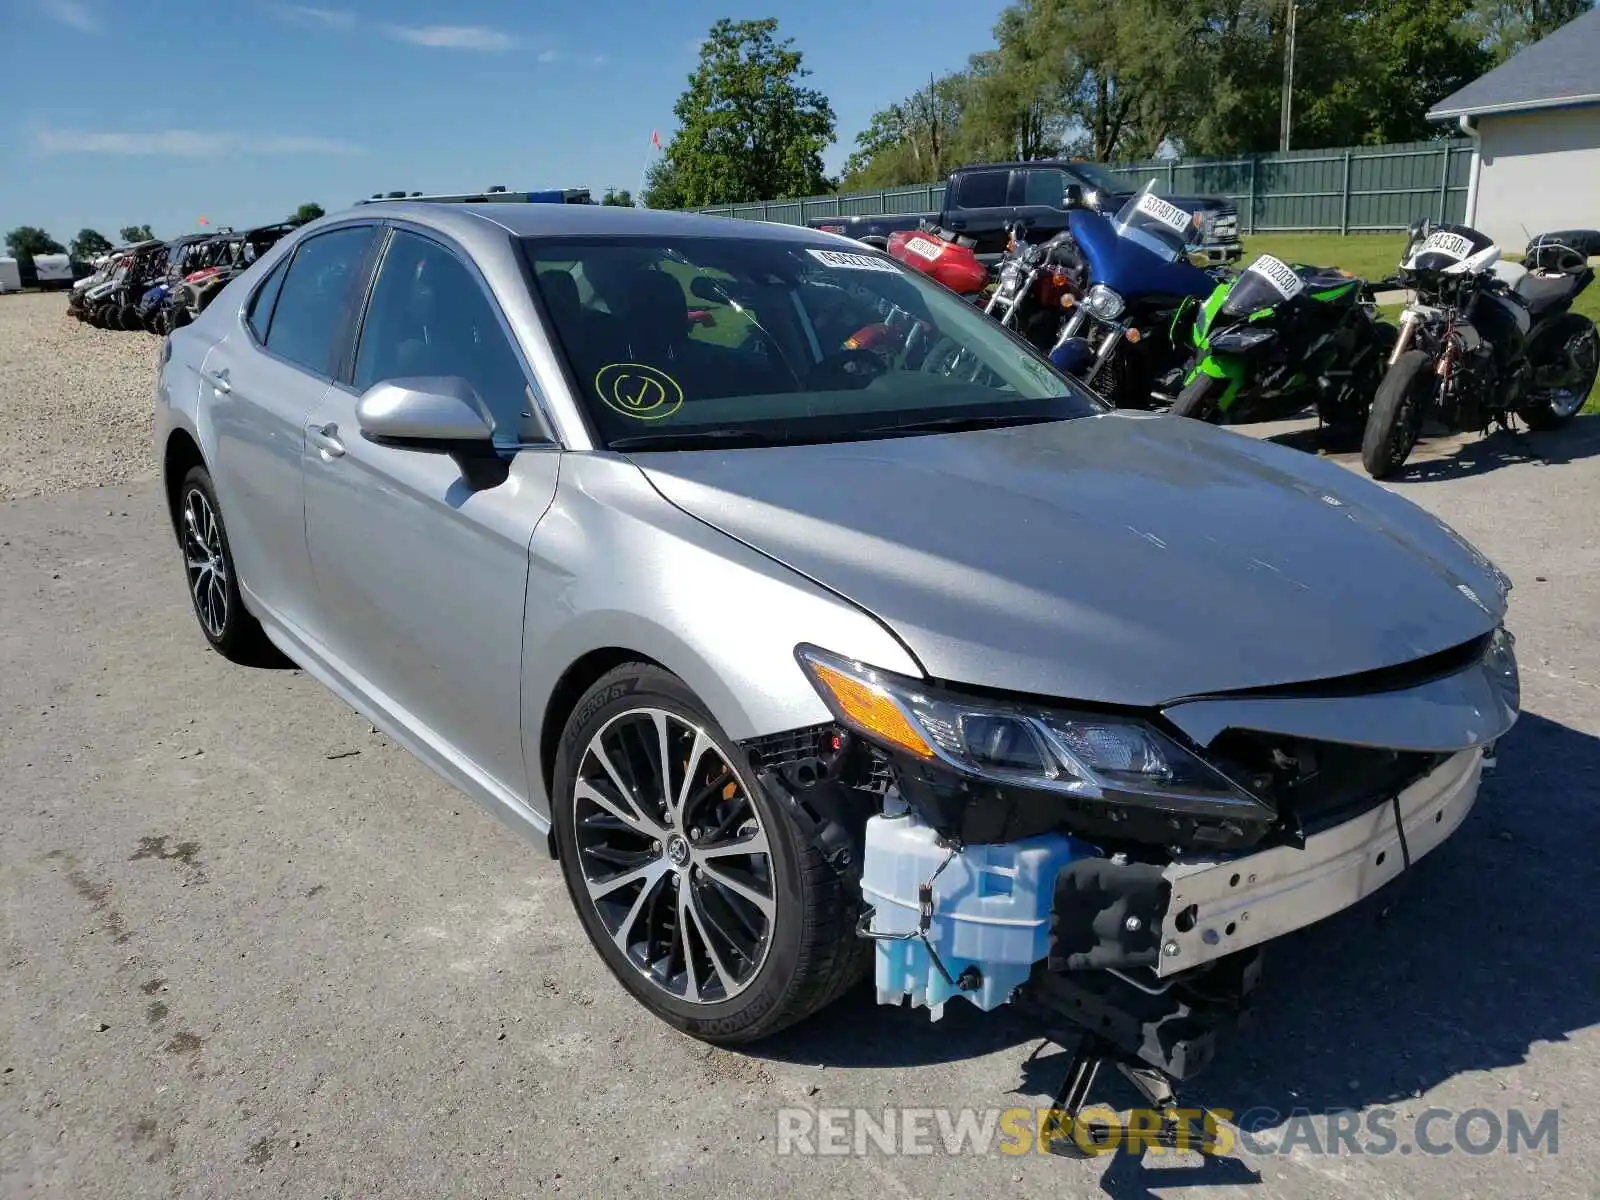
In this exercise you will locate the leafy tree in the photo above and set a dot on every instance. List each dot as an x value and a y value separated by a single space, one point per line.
90 243
917 140
25 241
618 199
748 127
1507 26
137 233
306 214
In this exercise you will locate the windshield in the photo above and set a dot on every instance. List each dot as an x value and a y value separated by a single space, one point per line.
1159 226
752 341
1265 283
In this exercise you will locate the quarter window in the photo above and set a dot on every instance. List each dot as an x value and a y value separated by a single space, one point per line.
260 314
429 316
314 298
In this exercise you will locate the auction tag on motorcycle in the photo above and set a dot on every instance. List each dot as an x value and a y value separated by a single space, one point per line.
844 260
1452 244
923 248
1279 274
1170 215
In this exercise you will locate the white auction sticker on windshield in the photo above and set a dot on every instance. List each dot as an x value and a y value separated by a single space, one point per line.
1280 275
1452 244
923 248
1170 215
844 260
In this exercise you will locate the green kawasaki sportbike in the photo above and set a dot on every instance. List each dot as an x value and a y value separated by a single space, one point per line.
1277 338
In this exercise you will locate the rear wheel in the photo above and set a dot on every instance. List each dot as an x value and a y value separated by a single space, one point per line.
1201 400
699 890
209 570
1564 369
1396 416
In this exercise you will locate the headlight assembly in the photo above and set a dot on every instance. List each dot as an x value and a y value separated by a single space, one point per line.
1104 303
1241 338
1120 760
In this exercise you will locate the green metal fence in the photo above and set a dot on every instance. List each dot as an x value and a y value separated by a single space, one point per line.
1353 190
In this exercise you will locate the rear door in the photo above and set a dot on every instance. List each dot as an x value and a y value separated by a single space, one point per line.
258 385
422 577
978 206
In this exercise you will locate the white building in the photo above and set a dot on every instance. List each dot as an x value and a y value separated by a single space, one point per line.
1536 121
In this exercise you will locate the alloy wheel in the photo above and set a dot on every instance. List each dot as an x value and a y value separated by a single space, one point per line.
674 855
206 562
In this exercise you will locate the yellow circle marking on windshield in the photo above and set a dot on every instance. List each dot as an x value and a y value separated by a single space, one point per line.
636 390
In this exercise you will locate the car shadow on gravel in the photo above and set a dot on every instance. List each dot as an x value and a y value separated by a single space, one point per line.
1480 953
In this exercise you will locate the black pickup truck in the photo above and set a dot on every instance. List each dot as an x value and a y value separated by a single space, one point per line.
980 201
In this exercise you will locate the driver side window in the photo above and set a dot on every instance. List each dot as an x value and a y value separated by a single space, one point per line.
429 316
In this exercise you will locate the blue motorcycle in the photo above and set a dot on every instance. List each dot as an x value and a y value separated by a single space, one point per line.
1121 341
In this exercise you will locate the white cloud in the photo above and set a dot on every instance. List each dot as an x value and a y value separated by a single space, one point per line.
184 143
75 13
548 56
304 14
453 37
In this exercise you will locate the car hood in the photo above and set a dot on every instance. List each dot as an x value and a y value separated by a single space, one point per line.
1117 559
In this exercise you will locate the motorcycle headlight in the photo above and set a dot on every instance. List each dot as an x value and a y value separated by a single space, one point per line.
1104 303
1117 759
1242 338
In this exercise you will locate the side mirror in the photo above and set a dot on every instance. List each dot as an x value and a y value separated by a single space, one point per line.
1072 196
435 414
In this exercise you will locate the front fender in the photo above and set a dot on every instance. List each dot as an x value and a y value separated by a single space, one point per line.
1226 367
615 566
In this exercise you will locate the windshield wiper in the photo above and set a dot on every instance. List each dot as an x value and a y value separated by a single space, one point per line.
691 437
969 421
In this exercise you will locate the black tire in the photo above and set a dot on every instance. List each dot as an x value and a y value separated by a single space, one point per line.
1573 338
131 321
214 586
1199 400
178 318
806 954
1396 416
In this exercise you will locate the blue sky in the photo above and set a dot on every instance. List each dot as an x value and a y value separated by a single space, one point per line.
114 112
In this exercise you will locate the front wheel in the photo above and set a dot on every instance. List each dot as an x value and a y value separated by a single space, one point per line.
1201 399
699 889
1396 416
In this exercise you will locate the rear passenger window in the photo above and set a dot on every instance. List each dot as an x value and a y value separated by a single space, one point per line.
314 298
260 314
982 189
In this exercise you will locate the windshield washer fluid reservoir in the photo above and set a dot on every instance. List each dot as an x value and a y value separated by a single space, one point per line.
991 911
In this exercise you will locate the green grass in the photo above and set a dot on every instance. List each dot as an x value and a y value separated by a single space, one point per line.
1374 256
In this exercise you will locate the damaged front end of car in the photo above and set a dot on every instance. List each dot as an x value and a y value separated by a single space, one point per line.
1116 873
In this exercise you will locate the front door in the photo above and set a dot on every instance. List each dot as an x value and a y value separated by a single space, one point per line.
422 577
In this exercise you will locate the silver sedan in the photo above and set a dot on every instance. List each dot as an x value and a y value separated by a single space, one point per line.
814 622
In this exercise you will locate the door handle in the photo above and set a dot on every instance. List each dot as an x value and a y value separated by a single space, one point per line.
219 380
326 439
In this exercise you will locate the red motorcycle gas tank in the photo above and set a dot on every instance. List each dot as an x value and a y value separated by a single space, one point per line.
957 267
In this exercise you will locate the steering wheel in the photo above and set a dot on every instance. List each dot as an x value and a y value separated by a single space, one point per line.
857 366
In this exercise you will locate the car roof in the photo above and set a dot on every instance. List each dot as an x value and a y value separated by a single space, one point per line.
577 220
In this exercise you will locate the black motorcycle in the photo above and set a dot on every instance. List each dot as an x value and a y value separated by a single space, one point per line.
1039 284
1483 340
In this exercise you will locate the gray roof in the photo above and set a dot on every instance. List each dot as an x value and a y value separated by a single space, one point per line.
579 220
1557 71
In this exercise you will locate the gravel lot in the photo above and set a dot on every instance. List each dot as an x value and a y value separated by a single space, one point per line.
253 949
74 400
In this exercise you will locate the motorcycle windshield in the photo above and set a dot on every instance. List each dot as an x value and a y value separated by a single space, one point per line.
1265 283
1157 225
